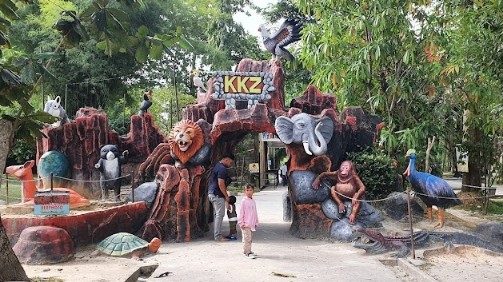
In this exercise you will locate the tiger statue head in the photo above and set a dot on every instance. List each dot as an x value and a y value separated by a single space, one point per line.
185 139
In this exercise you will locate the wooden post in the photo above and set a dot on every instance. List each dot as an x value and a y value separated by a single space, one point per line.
7 189
132 186
412 250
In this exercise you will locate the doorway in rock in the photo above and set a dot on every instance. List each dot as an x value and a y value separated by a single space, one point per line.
258 157
258 160
246 153
272 155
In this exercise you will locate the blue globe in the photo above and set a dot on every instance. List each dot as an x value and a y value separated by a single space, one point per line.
56 163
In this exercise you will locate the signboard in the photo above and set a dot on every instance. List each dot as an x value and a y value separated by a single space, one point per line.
253 168
269 137
253 87
461 159
52 203
243 84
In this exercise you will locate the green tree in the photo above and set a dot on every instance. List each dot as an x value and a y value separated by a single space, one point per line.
382 55
229 37
411 63
474 67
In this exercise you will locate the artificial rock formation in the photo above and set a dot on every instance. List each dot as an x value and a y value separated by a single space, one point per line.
44 245
84 228
225 128
80 140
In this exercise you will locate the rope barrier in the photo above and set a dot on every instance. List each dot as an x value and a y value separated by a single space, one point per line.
452 198
17 182
478 187
90 181
57 177
367 201
415 193
342 195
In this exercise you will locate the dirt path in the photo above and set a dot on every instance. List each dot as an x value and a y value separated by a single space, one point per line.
282 257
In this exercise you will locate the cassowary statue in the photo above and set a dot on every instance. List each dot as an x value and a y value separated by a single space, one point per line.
147 101
432 190
287 33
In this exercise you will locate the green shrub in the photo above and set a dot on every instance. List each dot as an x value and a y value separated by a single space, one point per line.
377 173
22 151
495 207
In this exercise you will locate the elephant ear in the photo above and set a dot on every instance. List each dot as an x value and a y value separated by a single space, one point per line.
326 128
284 129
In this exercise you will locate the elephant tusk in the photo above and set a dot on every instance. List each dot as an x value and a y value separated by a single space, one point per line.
306 148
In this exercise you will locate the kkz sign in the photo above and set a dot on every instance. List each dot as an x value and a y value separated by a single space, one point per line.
243 84
253 87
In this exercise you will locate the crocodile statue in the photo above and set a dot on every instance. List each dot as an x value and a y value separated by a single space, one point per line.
379 243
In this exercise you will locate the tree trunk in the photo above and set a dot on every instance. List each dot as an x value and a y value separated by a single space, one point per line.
5 142
10 267
473 176
431 142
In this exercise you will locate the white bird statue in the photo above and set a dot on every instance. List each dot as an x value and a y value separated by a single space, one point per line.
196 80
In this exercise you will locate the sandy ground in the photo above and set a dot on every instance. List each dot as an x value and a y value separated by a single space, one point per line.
463 264
281 257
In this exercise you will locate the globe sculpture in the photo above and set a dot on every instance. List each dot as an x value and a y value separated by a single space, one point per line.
56 163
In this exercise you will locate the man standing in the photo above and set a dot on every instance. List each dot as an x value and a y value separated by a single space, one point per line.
217 193
283 172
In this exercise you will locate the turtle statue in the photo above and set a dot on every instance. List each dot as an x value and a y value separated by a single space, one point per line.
125 244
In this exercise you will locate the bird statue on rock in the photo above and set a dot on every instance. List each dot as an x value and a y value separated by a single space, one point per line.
197 81
147 101
287 33
432 190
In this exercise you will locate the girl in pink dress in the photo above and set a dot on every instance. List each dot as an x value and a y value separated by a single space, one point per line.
248 220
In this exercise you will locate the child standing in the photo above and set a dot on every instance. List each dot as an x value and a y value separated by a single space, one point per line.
248 220
233 219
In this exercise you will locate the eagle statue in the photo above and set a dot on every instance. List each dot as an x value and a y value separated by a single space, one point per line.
287 33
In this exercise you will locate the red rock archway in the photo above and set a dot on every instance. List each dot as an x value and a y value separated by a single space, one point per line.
353 129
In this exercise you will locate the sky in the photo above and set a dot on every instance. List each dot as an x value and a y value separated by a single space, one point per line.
251 23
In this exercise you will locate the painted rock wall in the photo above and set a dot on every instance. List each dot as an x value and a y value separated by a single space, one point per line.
84 228
80 140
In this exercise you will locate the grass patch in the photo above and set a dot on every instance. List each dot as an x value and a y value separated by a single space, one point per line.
495 206
472 201
14 191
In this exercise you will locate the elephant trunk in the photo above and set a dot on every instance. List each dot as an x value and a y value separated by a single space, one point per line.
313 143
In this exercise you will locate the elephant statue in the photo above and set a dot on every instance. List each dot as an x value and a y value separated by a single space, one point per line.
313 133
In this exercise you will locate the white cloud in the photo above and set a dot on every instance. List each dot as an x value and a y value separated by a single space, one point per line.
252 22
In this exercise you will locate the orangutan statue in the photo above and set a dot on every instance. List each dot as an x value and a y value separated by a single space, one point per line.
345 185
